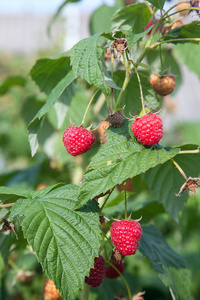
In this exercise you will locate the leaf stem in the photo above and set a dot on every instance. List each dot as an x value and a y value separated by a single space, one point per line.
125 282
179 168
189 151
175 40
89 106
161 61
141 93
125 196
126 81
104 203
85 292
7 205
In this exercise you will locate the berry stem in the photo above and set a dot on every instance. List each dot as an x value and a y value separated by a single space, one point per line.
185 9
104 203
85 292
125 282
126 81
161 61
175 40
89 106
141 93
179 168
125 200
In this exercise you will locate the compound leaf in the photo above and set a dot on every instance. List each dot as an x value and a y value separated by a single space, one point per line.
65 241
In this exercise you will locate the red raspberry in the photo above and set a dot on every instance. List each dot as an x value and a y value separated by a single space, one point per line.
148 129
97 273
111 272
162 85
125 235
50 292
77 140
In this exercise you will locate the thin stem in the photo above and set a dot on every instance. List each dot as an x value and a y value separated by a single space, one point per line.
89 106
141 93
13 265
7 205
185 9
126 81
189 151
161 61
175 40
106 199
125 282
125 196
85 292
179 168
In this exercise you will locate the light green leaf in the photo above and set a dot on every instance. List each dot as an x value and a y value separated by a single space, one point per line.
118 159
86 61
65 241
171 268
189 54
55 94
135 17
157 3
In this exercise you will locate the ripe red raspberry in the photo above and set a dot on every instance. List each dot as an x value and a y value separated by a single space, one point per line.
77 140
97 273
125 235
162 85
111 272
148 129
50 292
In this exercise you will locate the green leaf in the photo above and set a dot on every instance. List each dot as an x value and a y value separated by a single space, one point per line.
47 72
35 124
186 32
157 3
65 241
189 54
118 159
86 61
135 17
97 23
166 180
10 82
132 97
171 268
58 12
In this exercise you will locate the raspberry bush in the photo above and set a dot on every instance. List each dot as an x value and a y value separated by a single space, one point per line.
107 79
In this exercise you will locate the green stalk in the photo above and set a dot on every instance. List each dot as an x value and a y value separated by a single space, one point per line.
89 106
106 199
175 40
125 282
126 81
141 93
161 61
85 292
189 151
179 168
125 199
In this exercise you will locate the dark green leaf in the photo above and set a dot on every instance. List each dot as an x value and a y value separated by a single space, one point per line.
186 32
118 159
189 54
65 241
47 72
132 97
135 17
10 82
171 268
86 61
166 180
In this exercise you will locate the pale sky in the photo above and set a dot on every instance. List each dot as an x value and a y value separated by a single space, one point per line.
46 6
